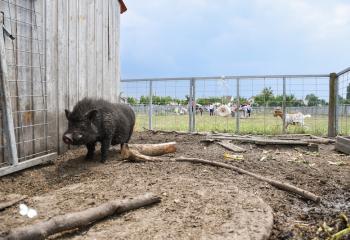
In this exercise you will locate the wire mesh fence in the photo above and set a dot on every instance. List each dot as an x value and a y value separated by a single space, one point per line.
343 109
241 104
23 20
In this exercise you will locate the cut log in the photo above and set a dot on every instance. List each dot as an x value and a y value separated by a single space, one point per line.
154 149
280 185
231 147
10 200
74 220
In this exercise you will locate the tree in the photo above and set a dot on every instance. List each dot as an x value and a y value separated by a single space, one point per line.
132 100
313 100
348 92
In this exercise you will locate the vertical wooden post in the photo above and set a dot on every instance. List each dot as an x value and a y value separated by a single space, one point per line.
284 105
190 106
9 129
150 107
194 103
238 105
332 107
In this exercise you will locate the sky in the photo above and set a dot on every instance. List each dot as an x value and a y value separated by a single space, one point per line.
185 38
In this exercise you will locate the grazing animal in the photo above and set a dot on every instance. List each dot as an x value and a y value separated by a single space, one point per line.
93 121
291 119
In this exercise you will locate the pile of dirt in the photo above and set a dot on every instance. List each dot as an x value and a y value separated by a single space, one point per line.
198 201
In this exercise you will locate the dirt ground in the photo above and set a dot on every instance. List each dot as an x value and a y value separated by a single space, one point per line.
195 198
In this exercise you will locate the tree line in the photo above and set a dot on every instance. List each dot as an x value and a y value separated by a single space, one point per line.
265 98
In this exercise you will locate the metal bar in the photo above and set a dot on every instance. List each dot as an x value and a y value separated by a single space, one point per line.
36 154
21 22
24 66
32 140
284 106
344 71
150 107
33 125
20 36
19 6
243 77
31 110
238 105
15 81
190 108
23 51
26 164
8 119
44 96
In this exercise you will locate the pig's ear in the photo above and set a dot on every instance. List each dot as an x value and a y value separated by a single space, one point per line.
91 114
67 113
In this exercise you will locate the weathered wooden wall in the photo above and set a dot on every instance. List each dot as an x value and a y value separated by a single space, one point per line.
82 56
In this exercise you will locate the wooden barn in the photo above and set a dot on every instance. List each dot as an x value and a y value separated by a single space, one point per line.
53 53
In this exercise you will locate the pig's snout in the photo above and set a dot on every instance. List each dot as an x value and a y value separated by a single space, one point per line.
68 138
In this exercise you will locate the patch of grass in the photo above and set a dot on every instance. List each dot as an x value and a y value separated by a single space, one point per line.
256 124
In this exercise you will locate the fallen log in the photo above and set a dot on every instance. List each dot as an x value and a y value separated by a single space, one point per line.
74 220
10 200
231 147
280 185
154 149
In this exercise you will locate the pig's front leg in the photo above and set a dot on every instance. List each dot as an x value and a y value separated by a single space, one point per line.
105 144
91 149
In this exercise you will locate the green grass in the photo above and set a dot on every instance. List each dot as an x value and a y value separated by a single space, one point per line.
257 124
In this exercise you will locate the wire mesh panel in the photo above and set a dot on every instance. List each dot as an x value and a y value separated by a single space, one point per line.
244 104
24 19
343 109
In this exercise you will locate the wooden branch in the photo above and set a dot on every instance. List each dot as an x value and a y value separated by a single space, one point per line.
231 147
280 185
261 141
154 149
10 200
69 221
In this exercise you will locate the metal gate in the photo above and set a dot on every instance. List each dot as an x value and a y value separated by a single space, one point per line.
24 107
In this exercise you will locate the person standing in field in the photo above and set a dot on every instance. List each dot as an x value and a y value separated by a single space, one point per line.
211 110
249 109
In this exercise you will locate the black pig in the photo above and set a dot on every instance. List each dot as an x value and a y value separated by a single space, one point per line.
93 121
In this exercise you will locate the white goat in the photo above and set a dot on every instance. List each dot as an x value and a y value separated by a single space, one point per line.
292 119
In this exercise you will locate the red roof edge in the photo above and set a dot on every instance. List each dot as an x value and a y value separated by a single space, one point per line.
122 6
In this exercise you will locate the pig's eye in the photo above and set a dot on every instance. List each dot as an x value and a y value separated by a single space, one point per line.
79 136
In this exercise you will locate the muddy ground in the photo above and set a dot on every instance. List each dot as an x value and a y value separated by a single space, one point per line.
195 198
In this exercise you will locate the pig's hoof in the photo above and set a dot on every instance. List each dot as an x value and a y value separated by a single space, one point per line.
103 160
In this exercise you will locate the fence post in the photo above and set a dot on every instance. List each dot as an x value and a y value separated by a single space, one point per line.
194 102
6 106
332 107
238 106
150 110
284 105
190 106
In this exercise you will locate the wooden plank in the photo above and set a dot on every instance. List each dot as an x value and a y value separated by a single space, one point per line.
73 70
99 46
91 50
27 164
82 47
38 86
343 144
113 56
62 69
231 147
261 141
51 71
105 50
7 109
